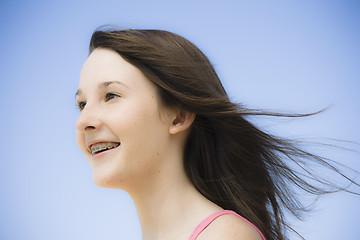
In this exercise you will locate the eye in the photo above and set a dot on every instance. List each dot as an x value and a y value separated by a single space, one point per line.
110 96
81 105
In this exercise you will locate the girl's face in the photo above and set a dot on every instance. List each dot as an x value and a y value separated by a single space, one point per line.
120 129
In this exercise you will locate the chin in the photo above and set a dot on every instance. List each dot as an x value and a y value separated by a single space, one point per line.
106 181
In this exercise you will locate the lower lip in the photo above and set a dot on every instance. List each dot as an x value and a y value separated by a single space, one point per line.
103 154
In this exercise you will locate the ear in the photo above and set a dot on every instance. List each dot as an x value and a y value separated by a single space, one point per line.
182 122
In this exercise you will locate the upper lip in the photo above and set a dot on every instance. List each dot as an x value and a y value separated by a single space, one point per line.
92 142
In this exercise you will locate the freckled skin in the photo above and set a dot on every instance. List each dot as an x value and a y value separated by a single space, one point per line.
148 164
132 119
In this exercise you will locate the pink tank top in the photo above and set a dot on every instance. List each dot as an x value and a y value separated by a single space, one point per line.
203 225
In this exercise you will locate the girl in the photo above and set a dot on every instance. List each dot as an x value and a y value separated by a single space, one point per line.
156 122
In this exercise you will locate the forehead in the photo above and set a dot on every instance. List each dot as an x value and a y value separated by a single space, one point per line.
105 65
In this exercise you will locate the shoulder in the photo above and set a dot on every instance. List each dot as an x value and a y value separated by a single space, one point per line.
229 227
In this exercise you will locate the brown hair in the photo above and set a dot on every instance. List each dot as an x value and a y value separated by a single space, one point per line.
229 160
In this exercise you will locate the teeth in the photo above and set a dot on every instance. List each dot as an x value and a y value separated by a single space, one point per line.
102 146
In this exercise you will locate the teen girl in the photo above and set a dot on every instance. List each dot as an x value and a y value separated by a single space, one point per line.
156 122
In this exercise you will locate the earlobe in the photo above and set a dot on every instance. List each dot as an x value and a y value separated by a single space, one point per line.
182 122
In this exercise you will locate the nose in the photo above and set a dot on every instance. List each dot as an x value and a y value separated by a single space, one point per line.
88 120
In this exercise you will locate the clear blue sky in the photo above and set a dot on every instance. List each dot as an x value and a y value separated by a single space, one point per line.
294 56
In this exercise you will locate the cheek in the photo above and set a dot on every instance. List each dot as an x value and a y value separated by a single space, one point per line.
140 127
136 115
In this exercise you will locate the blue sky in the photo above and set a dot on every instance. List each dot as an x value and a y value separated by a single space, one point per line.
293 56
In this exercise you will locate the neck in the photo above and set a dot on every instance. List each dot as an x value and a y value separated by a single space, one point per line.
169 206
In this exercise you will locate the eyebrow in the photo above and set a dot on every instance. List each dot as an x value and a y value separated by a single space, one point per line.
103 85
78 92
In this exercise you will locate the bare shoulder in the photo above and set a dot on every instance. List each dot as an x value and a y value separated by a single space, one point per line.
229 227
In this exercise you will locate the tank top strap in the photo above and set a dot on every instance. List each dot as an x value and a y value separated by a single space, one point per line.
206 222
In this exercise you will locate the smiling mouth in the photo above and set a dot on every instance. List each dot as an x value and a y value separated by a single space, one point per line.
102 147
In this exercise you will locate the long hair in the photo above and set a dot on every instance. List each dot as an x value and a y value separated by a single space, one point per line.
229 160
